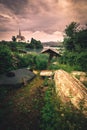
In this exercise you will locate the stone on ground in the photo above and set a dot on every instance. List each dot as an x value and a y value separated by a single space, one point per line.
70 89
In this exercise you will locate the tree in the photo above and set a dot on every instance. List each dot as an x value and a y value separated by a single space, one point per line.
70 32
71 29
13 38
75 43
80 40
76 37
6 62
34 44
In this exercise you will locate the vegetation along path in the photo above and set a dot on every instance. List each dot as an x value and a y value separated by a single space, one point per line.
20 108
35 107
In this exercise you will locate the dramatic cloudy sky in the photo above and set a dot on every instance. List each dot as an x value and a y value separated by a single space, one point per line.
44 20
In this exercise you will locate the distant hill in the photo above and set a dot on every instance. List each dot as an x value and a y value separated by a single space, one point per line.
51 43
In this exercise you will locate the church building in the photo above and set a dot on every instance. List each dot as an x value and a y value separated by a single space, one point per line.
20 38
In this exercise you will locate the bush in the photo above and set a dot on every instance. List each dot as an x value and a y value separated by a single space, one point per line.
74 59
82 60
53 67
34 44
41 61
6 61
57 116
65 67
27 60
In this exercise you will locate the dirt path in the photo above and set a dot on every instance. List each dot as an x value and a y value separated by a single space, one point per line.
21 109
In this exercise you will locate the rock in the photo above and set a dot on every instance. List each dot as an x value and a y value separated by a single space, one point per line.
35 72
79 73
16 78
70 89
46 73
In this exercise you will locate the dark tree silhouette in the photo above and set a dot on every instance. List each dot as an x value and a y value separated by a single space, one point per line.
13 38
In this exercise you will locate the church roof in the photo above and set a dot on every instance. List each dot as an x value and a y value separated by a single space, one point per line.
19 37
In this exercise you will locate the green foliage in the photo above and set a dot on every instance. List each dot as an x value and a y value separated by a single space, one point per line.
14 46
27 60
6 61
68 44
75 59
62 63
34 44
46 81
41 61
68 58
71 29
22 61
10 58
75 39
48 112
57 116
82 60
65 67
78 45
80 40
53 67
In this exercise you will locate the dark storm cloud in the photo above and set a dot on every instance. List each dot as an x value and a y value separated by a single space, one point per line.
77 1
31 12
15 5
24 6
80 8
41 15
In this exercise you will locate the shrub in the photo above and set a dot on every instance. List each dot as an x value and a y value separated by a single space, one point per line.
74 59
41 61
27 60
65 67
57 116
82 60
34 44
6 61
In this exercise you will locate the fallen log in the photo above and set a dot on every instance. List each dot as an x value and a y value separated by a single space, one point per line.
70 89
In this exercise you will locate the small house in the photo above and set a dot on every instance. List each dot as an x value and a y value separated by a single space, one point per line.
52 52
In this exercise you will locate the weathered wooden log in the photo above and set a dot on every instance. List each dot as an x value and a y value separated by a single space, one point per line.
70 89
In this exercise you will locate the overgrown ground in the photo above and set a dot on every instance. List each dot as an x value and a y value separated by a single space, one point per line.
34 107
20 108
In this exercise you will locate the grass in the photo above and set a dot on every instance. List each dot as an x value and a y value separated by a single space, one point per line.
57 116
20 108
84 81
36 107
58 66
